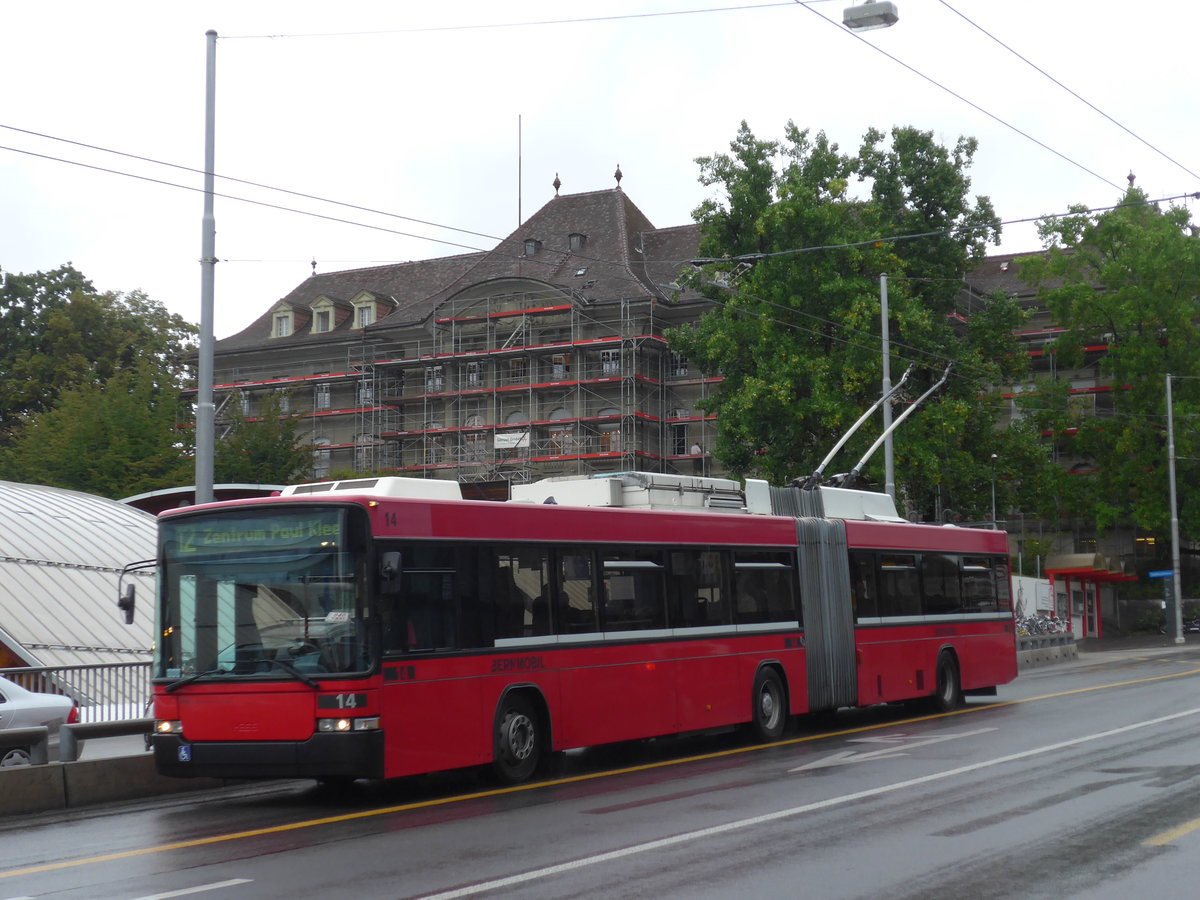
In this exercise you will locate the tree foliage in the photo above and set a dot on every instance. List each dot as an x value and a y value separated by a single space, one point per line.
1125 288
90 393
796 331
263 448
57 333
114 439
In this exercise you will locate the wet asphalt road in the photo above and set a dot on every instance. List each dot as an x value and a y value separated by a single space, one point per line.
1078 780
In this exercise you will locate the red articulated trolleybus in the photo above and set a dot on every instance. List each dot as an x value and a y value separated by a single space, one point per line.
383 627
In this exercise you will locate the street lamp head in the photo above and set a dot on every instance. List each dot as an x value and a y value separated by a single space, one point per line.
870 15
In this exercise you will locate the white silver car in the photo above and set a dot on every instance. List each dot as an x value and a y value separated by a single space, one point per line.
21 708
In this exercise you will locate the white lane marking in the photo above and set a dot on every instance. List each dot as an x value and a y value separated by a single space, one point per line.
686 837
846 757
198 889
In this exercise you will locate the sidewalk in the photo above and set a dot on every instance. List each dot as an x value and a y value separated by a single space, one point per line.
1136 642
1093 650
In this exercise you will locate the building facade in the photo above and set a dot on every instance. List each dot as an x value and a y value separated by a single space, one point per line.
542 357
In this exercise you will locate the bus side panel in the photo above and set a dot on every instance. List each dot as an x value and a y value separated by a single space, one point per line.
432 710
893 664
987 660
706 686
617 693
900 663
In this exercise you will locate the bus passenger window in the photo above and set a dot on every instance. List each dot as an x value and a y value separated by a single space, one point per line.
940 585
1003 584
697 589
765 587
634 599
577 593
522 596
899 585
979 588
862 584
428 602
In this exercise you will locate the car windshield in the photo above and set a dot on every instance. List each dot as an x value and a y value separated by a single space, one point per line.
266 593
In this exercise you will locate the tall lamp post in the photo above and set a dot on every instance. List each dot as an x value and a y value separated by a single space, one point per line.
867 17
205 411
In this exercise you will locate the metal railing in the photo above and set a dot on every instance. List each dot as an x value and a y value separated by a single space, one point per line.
104 692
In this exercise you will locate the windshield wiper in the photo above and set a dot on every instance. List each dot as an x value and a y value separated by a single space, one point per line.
176 685
296 673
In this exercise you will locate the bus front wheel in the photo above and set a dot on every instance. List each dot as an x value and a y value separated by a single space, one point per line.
517 745
769 713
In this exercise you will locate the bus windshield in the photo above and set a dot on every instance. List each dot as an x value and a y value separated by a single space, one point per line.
275 593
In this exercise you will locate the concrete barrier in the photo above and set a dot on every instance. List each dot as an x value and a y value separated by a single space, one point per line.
1035 650
71 737
56 786
35 740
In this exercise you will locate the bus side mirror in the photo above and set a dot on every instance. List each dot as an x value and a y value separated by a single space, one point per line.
389 569
125 603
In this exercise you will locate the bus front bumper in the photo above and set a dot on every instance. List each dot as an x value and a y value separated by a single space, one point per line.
351 755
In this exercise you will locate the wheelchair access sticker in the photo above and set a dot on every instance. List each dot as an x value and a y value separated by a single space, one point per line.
185 754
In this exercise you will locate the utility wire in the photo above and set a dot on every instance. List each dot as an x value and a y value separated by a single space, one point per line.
1067 89
552 263
262 203
494 25
958 96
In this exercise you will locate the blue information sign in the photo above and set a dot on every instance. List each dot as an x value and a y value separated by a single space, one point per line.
1161 573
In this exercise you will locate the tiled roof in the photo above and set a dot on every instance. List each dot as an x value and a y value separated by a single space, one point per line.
623 256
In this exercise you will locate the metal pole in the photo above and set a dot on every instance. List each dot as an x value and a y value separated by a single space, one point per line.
995 524
1175 576
205 427
889 459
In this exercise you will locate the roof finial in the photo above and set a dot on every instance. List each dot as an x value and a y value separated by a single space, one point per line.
1131 177
314 265
617 175
557 184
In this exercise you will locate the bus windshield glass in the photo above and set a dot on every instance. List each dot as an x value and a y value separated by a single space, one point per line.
254 593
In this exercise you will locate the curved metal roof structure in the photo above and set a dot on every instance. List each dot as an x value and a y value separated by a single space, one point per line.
61 555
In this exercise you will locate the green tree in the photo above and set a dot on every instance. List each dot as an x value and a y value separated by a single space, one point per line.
796 330
1125 287
264 448
113 439
57 332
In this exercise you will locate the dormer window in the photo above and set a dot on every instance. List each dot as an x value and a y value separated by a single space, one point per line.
321 320
532 246
576 241
283 324
364 314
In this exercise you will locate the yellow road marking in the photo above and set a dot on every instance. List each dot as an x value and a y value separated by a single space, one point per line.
574 779
1168 836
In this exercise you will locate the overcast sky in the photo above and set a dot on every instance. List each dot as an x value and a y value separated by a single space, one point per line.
412 109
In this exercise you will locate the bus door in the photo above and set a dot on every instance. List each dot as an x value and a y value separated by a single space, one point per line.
828 614
432 709
620 683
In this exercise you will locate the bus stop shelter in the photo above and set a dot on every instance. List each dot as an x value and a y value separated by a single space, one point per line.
1083 574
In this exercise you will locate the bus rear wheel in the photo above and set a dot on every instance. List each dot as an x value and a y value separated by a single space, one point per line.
769 712
948 695
517 748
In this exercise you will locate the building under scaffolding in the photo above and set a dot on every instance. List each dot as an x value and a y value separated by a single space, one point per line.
543 357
